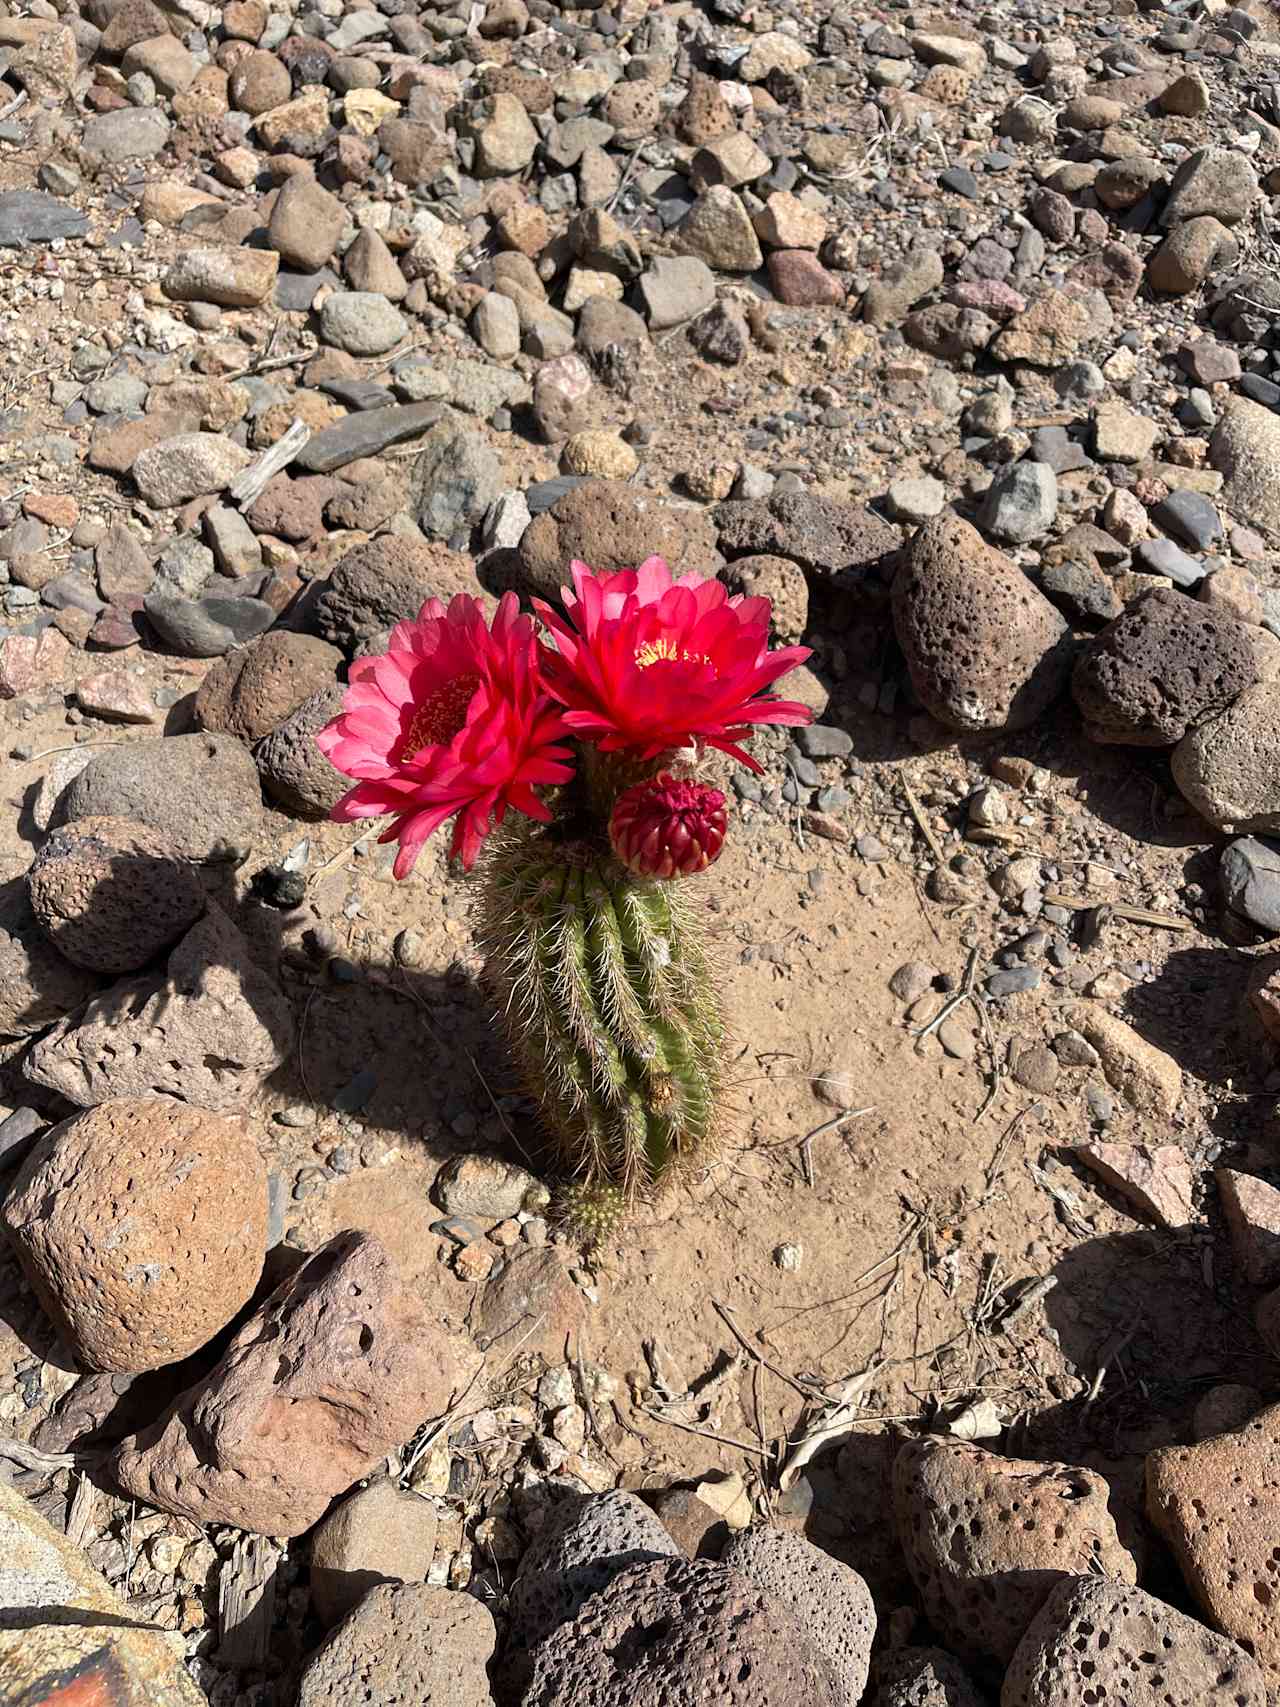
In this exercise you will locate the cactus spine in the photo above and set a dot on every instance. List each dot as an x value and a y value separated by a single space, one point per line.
611 1012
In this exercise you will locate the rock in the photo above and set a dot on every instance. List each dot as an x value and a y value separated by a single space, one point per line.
782 582
337 1368
704 113
208 1029
306 223
1245 448
840 541
412 1645
1161 669
1190 517
162 58
366 434
505 139
799 279
600 455
1122 435
828 1599
889 298
612 525
387 581
1156 1179
1048 334
1228 766
1212 181
234 279
382 1534
916 500
1249 871
294 772
1094 1641
681 1632
1225 1408
260 84
722 334
531 1288
198 791
487 1189
562 397
1021 503
1252 1210
141 1225
786 222
111 894
27 216
580 1549
132 133
1148 1079
252 691
983 1580
188 466
1123 183
37 985
1217 1505
985 649
361 323
30 663
63 1622
495 324
370 266
455 479
921 1677
1233 592
233 542
1189 254
676 288
206 628
717 229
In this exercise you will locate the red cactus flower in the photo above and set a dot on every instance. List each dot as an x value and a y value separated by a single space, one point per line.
451 721
667 827
646 663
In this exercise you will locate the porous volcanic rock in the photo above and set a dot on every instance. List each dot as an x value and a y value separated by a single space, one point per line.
385 582
1228 766
986 649
686 1633
822 535
111 894
1095 1641
337 1368
142 1226
612 525
1160 669
252 690
987 1537
405 1645
37 985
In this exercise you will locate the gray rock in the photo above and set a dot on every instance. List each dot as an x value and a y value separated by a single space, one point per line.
581 1548
455 479
17 1135
133 133
294 772
1163 557
183 566
201 791
1021 503
921 1677
830 1600
117 394
366 434
380 1534
26 216
1250 875
1245 447
479 388
37 985
823 741
901 286
1190 517
234 544
675 289
916 500
206 628
190 465
1213 181
361 323
408 1644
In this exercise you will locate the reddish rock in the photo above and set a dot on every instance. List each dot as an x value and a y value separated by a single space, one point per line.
30 663
532 1290
1252 1208
120 626
613 525
798 278
339 1367
986 1538
115 695
59 509
1156 1179
1217 1504
141 1225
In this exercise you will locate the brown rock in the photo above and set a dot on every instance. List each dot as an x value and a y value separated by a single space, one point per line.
780 581
412 1645
681 1632
382 1534
306 223
132 21
385 582
1217 1504
114 448
292 509
294 772
985 649
1095 1641
704 113
259 84
141 1225
37 985
253 689
530 1294
1227 766
1189 254
798 278
111 894
208 1030
1049 333
1252 1209
1148 1079
1164 667
921 1677
693 1525
612 525
337 1368
1156 1179
984 1575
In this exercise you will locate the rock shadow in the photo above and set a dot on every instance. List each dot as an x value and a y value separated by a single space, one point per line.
1194 1009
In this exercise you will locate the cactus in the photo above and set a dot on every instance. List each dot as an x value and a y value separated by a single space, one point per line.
611 1010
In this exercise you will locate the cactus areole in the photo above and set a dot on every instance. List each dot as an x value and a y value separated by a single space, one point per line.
568 757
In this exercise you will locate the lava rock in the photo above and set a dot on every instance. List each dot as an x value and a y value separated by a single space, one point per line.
843 542
986 649
337 1368
780 581
199 791
921 1677
112 894
387 581
252 691
612 525
142 1227
982 1580
37 985
1160 669
208 1030
410 1644
294 772
1228 767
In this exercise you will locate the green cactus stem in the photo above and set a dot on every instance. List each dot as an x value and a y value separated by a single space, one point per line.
611 1011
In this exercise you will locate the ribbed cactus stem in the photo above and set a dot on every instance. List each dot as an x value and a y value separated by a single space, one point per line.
610 1007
